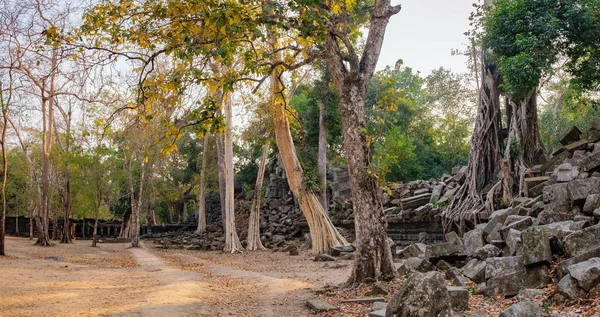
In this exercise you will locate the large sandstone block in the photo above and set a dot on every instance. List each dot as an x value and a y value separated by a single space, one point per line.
570 135
459 297
511 284
557 193
590 162
592 202
587 273
568 288
523 309
535 246
561 268
473 240
423 295
555 212
444 251
520 225
581 241
475 270
580 189
500 266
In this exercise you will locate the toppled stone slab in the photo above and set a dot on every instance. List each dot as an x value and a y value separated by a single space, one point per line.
557 193
423 295
592 202
587 273
415 201
567 287
453 274
364 300
561 268
511 284
487 251
320 305
459 297
590 162
529 294
415 250
500 266
523 309
570 135
475 270
581 241
419 264
532 182
566 172
473 240
513 241
555 212
323 258
580 189
517 225
446 250
535 246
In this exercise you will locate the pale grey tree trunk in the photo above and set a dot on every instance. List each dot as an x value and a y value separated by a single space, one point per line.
322 156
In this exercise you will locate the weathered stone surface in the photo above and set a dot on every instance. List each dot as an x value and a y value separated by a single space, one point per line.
592 202
320 305
568 288
401 268
570 135
587 273
494 235
380 289
377 313
511 284
453 274
419 264
535 246
423 295
555 161
475 270
473 240
415 201
452 237
517 225
459 297
364 300
590 162
575 146
555 212
415 250
566 172
532 182
379 306
561 268
580 189
513 241
581 241
523 309
529 294
502 266
557 193
487 251
441 251
436 194
324 258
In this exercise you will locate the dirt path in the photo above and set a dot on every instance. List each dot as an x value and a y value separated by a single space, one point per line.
113 280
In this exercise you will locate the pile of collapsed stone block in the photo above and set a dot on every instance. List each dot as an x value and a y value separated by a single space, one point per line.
554 223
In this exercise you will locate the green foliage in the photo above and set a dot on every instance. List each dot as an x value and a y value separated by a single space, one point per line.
527 37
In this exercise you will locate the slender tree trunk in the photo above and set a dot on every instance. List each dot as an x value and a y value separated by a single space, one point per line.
202 193
221 175
253 240
136 205
67 190
324 235
322 156
4 175
232 242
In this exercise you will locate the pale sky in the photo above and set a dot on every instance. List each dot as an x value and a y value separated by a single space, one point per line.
424 33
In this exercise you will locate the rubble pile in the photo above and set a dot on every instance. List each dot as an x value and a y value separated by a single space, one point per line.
211 240
555 224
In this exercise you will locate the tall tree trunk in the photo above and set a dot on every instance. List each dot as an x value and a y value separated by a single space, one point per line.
253 240
351 74
323 233
4 175
322 156
136 205
484 159
221 175
67 188
202 193
232 242
373 252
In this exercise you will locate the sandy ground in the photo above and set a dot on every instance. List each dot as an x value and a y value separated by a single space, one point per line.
114 280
